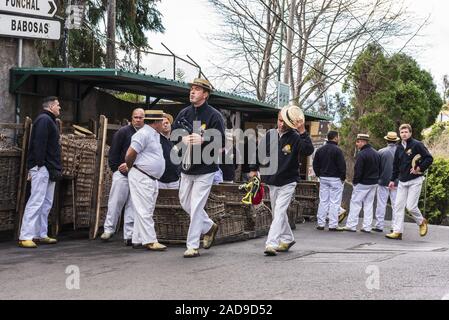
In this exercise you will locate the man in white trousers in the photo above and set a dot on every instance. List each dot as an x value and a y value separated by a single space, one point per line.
366 177
411 160
330 166
170 178
146 165
292 142
119 194
44 165
386 170
198 176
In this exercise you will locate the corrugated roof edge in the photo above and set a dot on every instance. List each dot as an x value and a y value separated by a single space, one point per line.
161 80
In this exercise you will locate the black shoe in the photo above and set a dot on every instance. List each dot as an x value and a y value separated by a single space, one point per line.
138 246
364 231
128 242
337 229
349 230
320 228
378 230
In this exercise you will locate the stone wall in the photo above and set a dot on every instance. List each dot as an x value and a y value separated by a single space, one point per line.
8 58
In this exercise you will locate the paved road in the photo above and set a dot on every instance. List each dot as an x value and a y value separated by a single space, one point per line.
322 265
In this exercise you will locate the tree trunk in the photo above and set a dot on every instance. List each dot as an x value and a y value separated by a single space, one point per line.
110 50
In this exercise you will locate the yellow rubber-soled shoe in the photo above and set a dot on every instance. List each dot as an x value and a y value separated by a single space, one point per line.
284 247
46 240
27 244
191 253
394 236
209 237
270 251
423 228
155 246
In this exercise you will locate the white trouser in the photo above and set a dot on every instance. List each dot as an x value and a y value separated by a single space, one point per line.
119 197
143 191
407 197
35 217
171 185
280 230
362 196
331 192
193 193
383 193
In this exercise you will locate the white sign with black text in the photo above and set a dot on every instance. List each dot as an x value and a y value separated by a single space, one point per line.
26 27
41 8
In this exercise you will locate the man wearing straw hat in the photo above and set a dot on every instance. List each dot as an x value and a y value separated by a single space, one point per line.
366 177
197 176
44 165
386 170
285 144
146 165
119 195
170 178
411 160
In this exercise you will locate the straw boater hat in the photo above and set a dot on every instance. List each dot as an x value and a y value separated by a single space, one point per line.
292 114
80 131
392 137
203 83
169 117
362 136
154 115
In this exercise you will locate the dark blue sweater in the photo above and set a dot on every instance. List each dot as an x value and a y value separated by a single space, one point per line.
172 171
403 160
120 144
367 166
209 118
329 162
45 149
291 146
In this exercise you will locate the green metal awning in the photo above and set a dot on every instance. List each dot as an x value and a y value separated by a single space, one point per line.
146 85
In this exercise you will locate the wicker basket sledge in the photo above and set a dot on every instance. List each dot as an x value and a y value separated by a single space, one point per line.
307 194
172 222
78 162
9 181
256 218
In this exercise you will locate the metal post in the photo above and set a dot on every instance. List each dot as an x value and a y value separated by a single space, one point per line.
282 40
19 64
20 53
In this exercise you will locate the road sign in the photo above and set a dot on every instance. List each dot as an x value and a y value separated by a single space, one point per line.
283 94
26 27
39 8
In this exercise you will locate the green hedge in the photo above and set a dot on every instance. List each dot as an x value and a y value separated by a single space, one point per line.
437 204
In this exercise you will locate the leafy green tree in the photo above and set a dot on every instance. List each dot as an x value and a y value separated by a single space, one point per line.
86 47
386 92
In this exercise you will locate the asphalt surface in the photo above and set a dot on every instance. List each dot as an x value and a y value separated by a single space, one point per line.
322 265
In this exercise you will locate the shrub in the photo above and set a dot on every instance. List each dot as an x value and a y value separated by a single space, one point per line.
437 203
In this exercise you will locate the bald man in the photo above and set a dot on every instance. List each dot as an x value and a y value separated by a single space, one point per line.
119 194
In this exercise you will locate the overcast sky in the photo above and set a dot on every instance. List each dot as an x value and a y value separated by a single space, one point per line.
189 23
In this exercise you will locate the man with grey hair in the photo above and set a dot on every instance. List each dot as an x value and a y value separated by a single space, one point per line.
386 170
44 165
119 194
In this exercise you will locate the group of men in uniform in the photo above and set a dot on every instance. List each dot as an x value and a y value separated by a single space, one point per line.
394 172
140 157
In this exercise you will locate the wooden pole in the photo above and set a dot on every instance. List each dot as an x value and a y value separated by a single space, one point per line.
98 179
110 43
23 178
